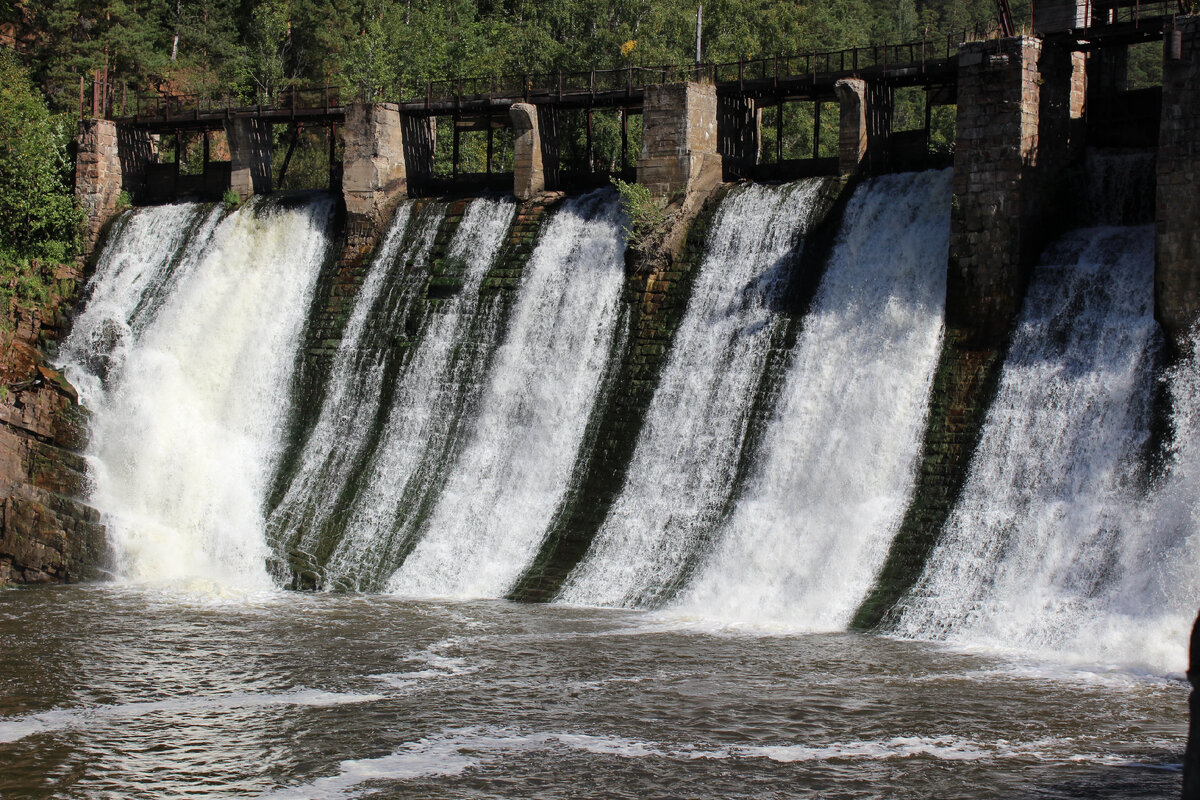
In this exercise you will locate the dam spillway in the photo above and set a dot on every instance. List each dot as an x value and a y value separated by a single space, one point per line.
486 364
778 451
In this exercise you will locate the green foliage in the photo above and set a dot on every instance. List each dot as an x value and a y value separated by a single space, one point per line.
644 213
38 217
231 199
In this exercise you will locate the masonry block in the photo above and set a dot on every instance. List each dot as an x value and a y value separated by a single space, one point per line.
529 179
679 138
994 225
250 151
97 176
374 179
1177 234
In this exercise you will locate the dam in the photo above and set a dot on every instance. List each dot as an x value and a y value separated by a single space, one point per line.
866 473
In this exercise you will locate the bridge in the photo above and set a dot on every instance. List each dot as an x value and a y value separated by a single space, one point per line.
1025 105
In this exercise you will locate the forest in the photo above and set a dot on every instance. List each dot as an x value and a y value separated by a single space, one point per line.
243 51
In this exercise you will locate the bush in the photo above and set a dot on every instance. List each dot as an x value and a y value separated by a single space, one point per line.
231 199
38 215
644 213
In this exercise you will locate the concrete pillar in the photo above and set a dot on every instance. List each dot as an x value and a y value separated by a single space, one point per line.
679 139
994 236
97 176
249 156
1177 205
374 180
852 137
529 179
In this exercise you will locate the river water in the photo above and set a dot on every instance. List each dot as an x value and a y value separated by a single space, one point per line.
115 692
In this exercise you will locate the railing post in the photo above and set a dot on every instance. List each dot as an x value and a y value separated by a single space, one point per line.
82 111
628 85
560 85
593 84
741 74
525 86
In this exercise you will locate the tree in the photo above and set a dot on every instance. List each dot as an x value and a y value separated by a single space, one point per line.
38 216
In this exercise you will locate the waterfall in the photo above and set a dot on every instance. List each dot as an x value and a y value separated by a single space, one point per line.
356 382
438 380
1051 547
185 353
515 464
838 460
684 465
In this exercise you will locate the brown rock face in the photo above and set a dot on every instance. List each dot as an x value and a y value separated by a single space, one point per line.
47 534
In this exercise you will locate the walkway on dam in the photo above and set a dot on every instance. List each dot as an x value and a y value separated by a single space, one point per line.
781 78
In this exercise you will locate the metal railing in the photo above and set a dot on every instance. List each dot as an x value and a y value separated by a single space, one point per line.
116 100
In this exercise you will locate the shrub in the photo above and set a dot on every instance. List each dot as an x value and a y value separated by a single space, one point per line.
644 213
38 215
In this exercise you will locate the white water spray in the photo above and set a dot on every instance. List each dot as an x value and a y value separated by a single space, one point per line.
425 409
514 470
188 423
343 430
1051 549
838 460
683 468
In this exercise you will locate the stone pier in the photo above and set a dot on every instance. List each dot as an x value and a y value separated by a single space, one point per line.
993 236
97 176
679 139
1177 214
529 179
374 179
109 160
865 126
250 149
852 137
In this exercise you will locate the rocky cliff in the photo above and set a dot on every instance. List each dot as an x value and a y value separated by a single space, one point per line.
47 534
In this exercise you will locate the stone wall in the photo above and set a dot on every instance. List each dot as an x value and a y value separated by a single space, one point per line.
97 176
993 241
679 138
1177 232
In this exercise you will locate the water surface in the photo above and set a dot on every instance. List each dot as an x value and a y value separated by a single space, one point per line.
110 692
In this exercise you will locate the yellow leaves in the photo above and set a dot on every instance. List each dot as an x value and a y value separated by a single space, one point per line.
628 47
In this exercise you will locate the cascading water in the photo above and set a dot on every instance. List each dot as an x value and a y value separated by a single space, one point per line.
683 468
838 459
438 380
198 325
342 429
514 468
1051 548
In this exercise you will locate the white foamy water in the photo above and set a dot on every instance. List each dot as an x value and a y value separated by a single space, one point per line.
516 464
1052 548
188 424
342 429
838 459
424 411
684 465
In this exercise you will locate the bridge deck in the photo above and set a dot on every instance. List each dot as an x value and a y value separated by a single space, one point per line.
809 76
